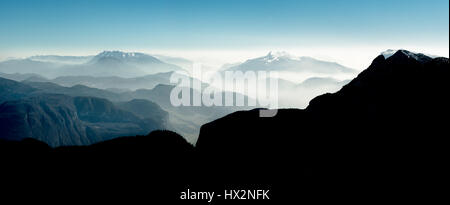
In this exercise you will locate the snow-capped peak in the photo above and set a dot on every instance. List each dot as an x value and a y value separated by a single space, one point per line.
132 57
276 56
119 54
388 53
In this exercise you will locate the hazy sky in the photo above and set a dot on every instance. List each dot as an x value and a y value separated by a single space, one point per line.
346 31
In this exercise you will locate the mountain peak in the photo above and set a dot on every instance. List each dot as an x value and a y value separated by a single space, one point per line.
119 54
119 57
277 55
283 61
390 53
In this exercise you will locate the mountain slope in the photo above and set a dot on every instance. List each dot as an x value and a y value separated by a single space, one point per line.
185 120
285 62
147 81
76 90
146 109
42 112
405 86
21 77
111 82
386 124
12 90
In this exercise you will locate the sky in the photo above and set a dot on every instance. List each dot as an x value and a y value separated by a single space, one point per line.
350 32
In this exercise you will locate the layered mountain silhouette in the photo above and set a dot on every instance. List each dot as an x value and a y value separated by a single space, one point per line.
298 95
185 120
23 76
42 111
77 90
379 138
118 84
181 62
147 81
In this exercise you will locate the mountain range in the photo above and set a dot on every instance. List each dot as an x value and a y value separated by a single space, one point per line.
104 64
283 61
304 76
119 84
45 113
381 137
184 120
61 59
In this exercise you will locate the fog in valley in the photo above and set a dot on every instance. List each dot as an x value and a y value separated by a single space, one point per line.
140 84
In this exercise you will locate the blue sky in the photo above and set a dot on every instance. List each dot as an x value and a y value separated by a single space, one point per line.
74 26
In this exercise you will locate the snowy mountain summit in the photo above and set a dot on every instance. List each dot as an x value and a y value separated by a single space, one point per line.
283 61
126 57
390 52
276 56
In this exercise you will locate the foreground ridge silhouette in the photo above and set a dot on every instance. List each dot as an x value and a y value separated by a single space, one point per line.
380 138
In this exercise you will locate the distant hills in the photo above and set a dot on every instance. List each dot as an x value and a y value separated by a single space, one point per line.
135 64
107 63
151 105
61 59
282 61
110 82
299 78
34 111
121 72
124 84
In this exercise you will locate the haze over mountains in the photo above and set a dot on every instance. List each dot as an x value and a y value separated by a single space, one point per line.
131 106
61 59
120 72
58 120
388 94
107 63
294 68
144 104
386 123
283 61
